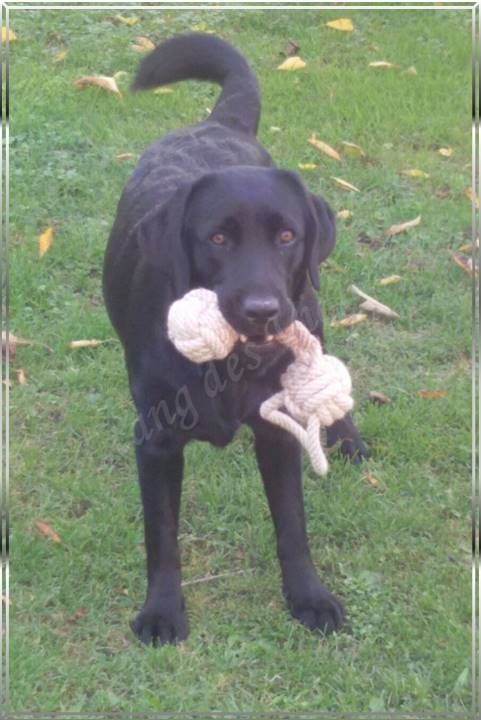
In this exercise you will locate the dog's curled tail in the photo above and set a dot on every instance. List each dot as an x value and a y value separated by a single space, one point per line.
201 56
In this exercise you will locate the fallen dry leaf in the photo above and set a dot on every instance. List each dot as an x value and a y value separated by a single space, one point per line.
370 304
431 394
352 149
123 20
85 343
411 70
124 156
101 81
142 44
343 24
381 64
415 172
163 91
60 56
344 184
77 615
396 229
469 247
324 147
376 396
13 341
292 63
468 192
349 320
20 376
466 263
306 166
442 192
47 531
389 280
11 35
292 48
372 481
45 239
445 151
344 214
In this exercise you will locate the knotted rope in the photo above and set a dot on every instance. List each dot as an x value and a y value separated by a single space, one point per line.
316 388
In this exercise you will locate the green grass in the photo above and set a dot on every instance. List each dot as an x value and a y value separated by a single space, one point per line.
397 555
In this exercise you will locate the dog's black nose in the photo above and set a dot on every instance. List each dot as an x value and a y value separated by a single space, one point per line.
260 309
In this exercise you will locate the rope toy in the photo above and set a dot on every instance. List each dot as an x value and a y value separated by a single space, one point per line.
316 388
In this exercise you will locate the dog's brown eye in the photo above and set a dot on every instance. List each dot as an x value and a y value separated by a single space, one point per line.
286 237
218 239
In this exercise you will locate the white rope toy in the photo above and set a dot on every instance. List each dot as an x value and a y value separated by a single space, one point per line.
316 388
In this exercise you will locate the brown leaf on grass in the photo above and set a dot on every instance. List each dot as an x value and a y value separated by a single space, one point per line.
323 147
124 156
292 48
47 531
129 21
352 149
20 376
468 192
11 35
45 240
431 394
469 247
349 320
381 64
13 341
445 151
344 184
292 63
74 344
343 24
370 304
142 44
77 615
414 172
60 56
401 227
390 280
372 481
376 396
442 192
344 214
102 81
466 263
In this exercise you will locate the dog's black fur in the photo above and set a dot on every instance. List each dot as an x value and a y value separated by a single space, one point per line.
205 207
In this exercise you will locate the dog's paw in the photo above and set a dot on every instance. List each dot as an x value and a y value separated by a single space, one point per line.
161 623
318 610
344 435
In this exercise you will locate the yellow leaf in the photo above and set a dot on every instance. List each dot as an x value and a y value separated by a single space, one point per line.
274 129
372 481
163 91
349 320
395 229
47 531
45 240
123 20
431 394
124 156
292 63
324 147
344 214
20 376
142 44
201 27
344 184
468 192
101 81
415 172
306 166
61 55
85 343
381 64
11 35
390 280
352 149
344 24
445 151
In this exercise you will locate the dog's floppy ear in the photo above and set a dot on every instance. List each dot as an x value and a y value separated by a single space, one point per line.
160 237
323 236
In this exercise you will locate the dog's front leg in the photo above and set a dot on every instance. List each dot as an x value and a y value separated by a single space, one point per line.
279 459
162 618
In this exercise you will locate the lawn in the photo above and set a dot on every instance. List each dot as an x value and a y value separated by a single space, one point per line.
391 536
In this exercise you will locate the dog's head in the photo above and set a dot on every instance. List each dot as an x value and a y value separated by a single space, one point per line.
253 235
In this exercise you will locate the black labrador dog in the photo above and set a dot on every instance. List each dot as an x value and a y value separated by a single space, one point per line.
206 207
